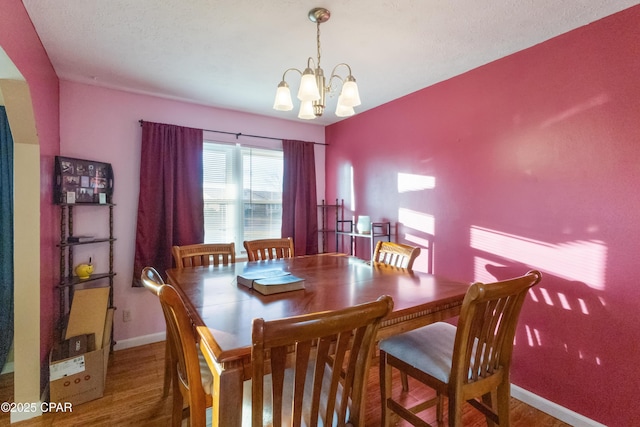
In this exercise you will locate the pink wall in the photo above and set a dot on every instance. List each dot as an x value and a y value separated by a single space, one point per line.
21 43
534 162
102 124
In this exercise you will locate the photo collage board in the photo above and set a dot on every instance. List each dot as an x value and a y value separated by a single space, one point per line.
82 181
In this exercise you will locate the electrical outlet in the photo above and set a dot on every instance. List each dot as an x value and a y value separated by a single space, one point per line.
126 315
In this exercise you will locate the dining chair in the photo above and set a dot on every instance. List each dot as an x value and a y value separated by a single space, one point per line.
204 254
395 254
293 360
191 377
469 362
264 249
152 281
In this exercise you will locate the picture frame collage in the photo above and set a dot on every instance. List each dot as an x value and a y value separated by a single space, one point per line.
82 181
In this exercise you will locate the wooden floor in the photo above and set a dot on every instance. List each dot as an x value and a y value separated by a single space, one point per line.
133 397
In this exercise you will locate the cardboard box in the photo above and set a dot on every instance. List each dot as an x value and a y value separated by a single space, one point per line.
87 314
82 378
74 346
80 344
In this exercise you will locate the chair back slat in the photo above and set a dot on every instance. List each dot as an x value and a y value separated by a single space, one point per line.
330 359
395 254
265 249
323 359
303 352
204 254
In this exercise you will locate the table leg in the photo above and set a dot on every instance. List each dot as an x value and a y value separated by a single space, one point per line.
227 396
228 378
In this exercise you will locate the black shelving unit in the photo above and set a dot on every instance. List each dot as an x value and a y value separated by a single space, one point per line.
68 282
329 215
332 222
346 228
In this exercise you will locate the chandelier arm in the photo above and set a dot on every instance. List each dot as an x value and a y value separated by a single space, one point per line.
287 70
333 72
310 62
342 63
330 82
337 76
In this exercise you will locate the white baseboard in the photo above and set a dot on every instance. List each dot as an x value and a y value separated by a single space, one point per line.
137 341
553 409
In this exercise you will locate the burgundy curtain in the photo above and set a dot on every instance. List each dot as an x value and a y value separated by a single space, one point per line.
170 205
299 202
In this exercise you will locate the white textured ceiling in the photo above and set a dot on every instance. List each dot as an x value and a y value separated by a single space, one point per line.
232 54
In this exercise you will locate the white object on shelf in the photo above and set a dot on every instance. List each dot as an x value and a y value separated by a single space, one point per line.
364 224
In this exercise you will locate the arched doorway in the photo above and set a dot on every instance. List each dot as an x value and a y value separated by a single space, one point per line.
18 103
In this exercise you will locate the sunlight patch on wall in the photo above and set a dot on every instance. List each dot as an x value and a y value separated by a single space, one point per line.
410 182
533 336
352 190
417 241
583 355
346 186
594 102
586 356
541 294
580 260
583 306
564 301
417 220
546 296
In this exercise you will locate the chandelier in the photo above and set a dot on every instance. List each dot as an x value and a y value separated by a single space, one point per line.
313 90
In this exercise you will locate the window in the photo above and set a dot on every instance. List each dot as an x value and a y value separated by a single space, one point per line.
242 193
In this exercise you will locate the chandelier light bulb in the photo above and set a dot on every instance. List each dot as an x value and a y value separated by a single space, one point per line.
350 94
283 100
343 110
306 110
308 88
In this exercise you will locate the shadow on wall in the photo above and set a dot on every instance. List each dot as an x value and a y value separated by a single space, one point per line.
558 318
417 235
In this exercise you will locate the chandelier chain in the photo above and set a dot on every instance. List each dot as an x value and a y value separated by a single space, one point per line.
318 42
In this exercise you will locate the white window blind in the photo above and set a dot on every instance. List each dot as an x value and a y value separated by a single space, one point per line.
242 193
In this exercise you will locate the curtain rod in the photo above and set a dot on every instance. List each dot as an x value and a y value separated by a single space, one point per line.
239 134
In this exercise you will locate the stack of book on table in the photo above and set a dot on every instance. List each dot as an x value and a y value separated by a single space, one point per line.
270 281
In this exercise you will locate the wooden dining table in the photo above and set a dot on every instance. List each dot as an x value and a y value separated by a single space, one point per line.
222 310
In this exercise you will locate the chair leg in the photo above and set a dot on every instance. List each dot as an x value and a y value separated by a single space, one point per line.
385 389
405 381
504 400
455 412
177 413
439 407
